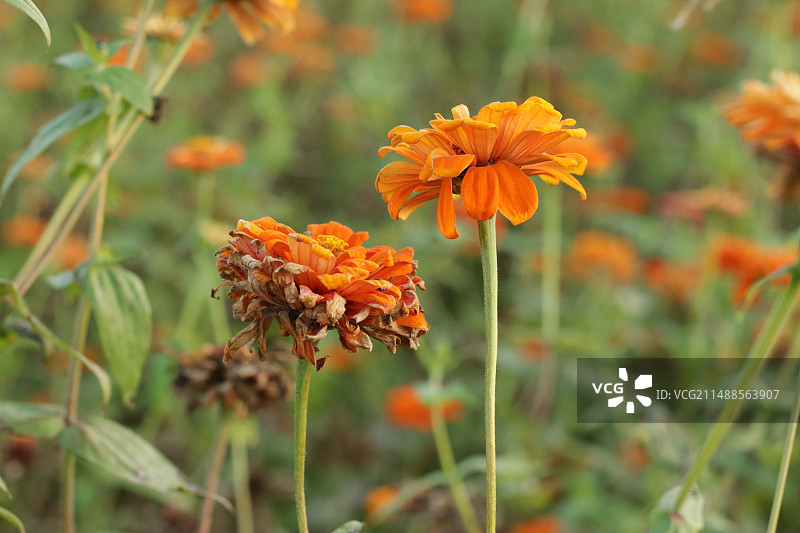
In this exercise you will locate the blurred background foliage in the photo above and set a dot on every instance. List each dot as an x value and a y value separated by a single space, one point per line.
640 277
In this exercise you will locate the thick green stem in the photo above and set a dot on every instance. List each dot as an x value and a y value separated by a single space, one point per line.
212 484
241 481
450 469
302 385
760 351
783 472
486 233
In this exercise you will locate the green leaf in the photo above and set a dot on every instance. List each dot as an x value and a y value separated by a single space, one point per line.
9 291
4 487
89 45
30 9
74 61
124 322
64 123
129 86
122 453
354 526
42 421
11 518
688 520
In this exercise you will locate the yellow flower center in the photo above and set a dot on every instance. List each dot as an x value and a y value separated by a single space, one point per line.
332 243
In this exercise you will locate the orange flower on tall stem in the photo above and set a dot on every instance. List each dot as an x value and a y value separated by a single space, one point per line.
405 409
319 280
486 160
248 16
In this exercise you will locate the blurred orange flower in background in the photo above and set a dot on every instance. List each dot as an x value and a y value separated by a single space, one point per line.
73 251
747 261
23 230
596 251
27 77
486 160
200 51
434 11
695 205
768 114
716 50
672 280
593 148
631 200
206 153
247 15
248 70
356 40
543 524
317 280
405 409
379 497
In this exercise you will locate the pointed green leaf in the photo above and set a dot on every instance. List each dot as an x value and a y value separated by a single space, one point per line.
30 9
129 86
4 487
11 518
354 526
8 290
122 453
74 61
42 421
124 322
89 46
80 114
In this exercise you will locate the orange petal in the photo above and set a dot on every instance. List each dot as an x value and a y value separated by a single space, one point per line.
445 212
518 196
246 23
451 166
412 204
479 191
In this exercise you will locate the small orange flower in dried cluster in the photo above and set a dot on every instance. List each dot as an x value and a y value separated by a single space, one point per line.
317 280
435 11
747 261
486 160
205 380
405 409
206 153
594 251
248 16
694 205
543 524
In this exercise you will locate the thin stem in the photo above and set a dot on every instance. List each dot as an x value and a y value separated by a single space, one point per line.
139 37
183 46
241 481
760 351
302 385
212 484
445 450
783 472
70 462
486 233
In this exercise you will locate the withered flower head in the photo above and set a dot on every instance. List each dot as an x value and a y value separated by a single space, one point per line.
204 379
158 27
248 16
323 278
486 160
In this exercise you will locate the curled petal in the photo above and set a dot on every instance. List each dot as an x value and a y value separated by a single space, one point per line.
518 196
445 212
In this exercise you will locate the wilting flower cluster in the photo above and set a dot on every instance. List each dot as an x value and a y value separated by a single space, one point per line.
486 160
319 280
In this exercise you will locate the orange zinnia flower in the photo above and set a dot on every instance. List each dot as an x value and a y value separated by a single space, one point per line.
594 251
673 280
747 262
768 114
23 230
320 279
405 409
436 11
247 15
485 160
694 205
379 497
206 153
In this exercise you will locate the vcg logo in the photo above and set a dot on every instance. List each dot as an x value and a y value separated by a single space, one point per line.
644 381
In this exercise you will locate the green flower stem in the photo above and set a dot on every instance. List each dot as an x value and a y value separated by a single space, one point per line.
241 481
302 384
783 472
207 511
760 351
68 217
447 458
488 243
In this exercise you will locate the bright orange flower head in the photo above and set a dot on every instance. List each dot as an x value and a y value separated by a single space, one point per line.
405 409
543 524
769 115
205 154
247 15
323 278
485 160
